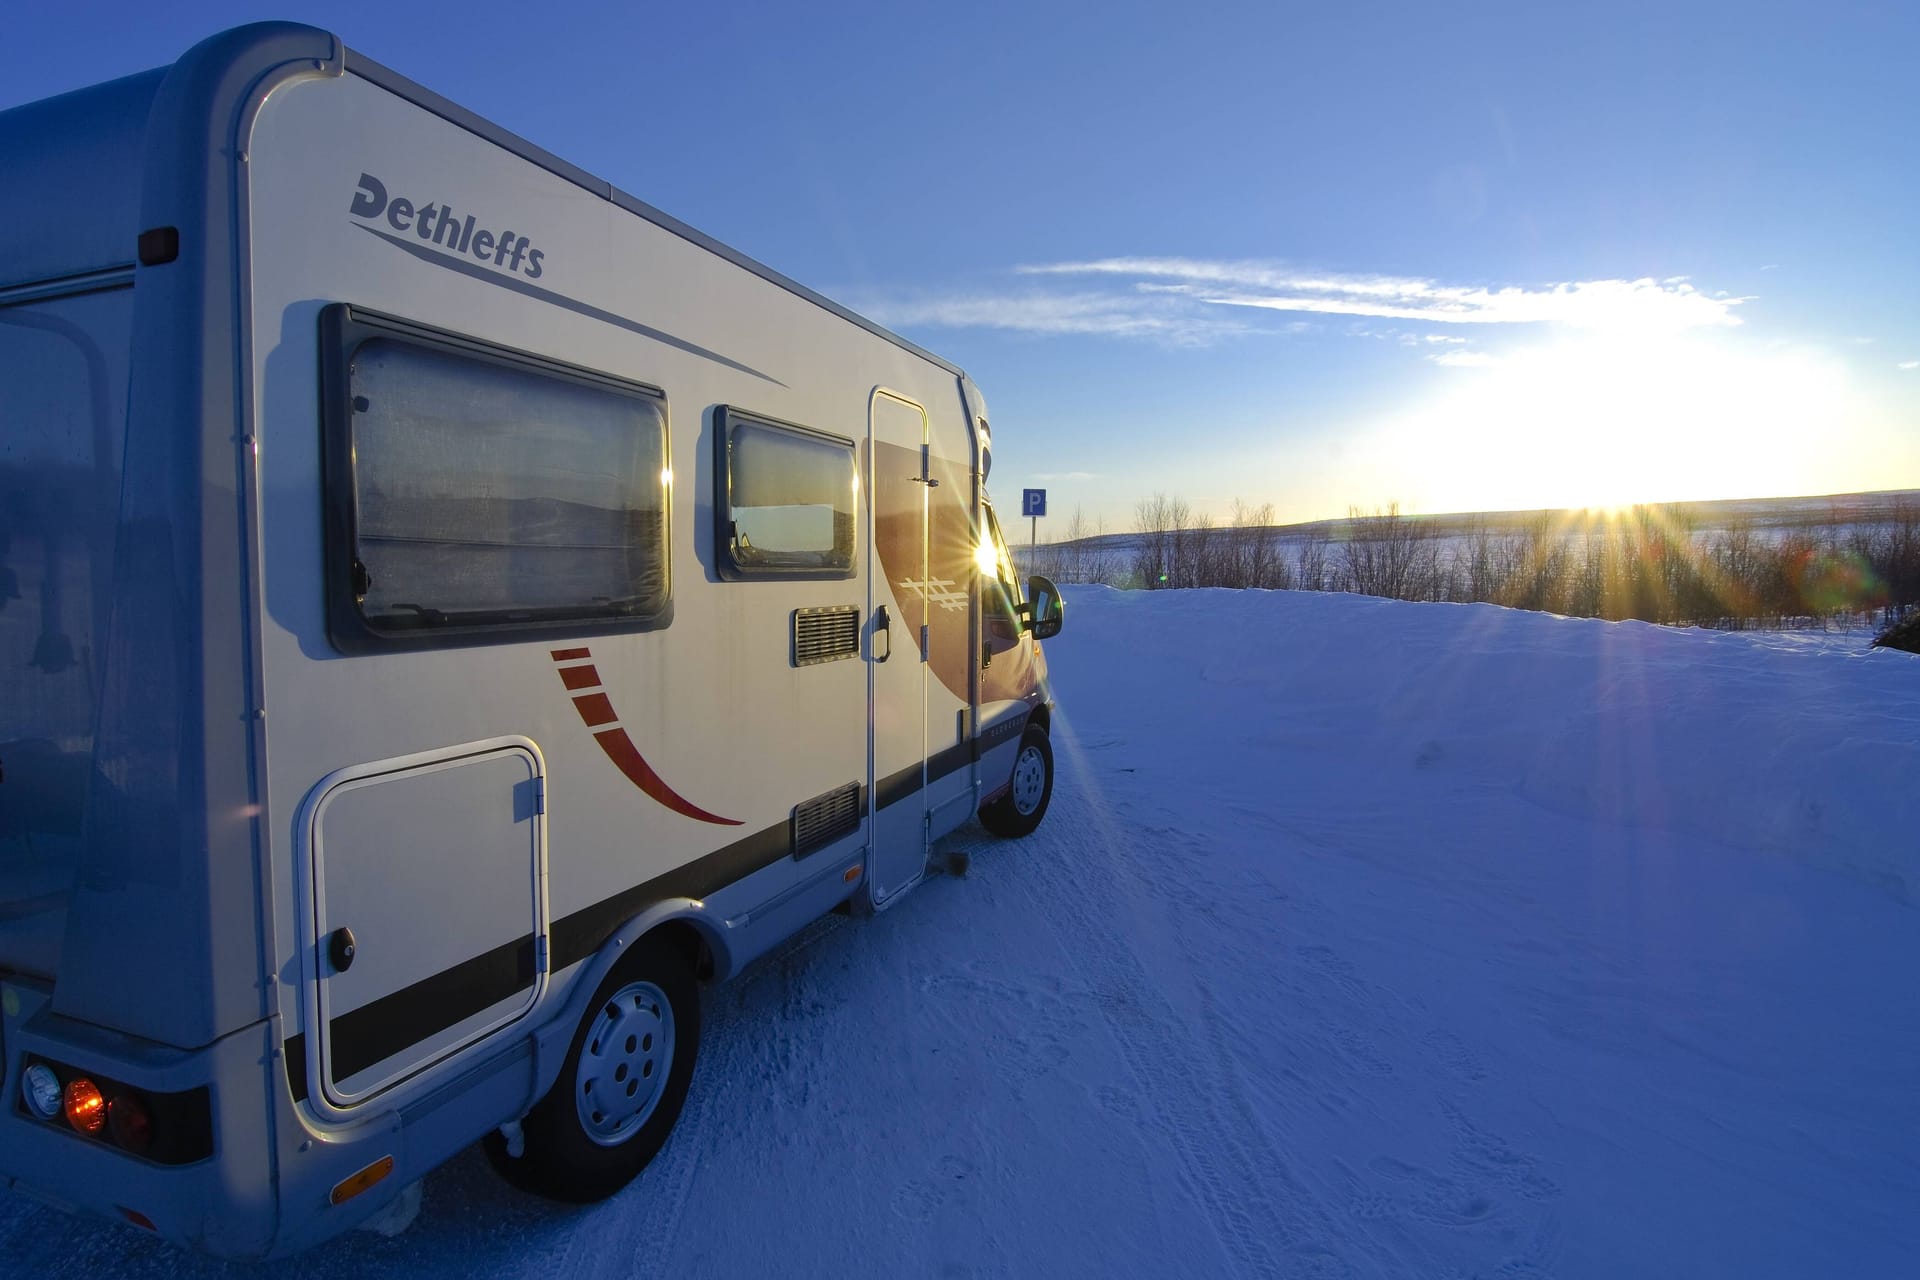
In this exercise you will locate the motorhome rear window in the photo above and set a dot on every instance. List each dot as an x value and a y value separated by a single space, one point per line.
489 496
63 426
786 501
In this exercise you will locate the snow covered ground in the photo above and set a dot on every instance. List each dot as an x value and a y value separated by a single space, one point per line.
1363 939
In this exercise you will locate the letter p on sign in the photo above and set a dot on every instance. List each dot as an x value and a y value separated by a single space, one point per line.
1033 502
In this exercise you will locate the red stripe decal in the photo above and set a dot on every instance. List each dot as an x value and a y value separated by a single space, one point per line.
580 677
595 708
620 749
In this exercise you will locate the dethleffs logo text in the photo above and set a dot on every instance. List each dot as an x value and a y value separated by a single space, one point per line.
441 224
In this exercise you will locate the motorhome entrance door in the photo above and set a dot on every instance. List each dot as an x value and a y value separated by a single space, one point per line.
898 593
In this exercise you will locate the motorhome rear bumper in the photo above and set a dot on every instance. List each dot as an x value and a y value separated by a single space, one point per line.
268 1190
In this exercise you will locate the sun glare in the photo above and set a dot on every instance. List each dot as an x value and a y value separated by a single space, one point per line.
1607 421
986 559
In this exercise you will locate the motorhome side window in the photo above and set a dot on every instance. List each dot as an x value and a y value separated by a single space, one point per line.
786 502
999 588
486 494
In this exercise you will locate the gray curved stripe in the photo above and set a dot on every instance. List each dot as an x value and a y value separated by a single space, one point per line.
518 285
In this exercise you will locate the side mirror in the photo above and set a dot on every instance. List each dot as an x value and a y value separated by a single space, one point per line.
1046 611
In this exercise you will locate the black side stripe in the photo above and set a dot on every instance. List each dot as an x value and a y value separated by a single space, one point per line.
896 787
582 933
903 785
1005 731
394 1023
375 1032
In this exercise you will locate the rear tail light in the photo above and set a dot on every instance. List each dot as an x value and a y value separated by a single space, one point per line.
130 1124
86 1109
167 1128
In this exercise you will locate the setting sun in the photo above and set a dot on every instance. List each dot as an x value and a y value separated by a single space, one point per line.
1603 421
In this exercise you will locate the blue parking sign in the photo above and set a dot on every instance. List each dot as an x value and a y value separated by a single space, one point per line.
1033 502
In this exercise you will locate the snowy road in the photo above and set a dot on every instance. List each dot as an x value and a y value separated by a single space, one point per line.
1363 939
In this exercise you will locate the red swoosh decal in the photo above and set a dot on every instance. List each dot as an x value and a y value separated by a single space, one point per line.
620 749
595 709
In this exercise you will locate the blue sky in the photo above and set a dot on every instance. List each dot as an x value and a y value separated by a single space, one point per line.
1459 257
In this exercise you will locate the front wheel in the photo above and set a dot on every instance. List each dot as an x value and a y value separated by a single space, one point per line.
621 1087
1019 810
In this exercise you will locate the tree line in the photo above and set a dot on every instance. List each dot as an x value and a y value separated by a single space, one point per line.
1657 563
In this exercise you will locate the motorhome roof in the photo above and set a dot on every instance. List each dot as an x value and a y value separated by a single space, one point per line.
70 204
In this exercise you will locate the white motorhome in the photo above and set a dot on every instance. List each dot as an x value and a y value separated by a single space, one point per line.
447 609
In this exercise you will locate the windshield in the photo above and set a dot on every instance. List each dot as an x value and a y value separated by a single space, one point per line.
62 406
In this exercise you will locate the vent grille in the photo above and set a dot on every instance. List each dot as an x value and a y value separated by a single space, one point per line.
825 818
825 635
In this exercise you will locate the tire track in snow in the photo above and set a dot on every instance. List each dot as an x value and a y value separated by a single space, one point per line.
1482 1187
626 1239
1393 1052
1101 873
1267 1224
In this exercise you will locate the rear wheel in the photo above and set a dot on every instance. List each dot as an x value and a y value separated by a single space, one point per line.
622 1085
1020 809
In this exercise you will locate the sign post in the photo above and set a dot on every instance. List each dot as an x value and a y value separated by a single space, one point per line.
1033 504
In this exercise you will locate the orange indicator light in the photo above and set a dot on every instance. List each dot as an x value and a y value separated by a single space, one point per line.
86 1109
360 1181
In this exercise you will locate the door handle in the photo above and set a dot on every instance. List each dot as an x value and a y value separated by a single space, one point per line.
340 949
882 626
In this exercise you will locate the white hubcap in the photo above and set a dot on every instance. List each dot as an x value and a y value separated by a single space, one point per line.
1029 779
624 1063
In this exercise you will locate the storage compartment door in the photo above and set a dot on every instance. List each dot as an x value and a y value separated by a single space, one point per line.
428 911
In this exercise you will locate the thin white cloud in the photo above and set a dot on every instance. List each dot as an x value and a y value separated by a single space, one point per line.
1051 476
1125 315
1910 364
1458 359
1196 302
1669 304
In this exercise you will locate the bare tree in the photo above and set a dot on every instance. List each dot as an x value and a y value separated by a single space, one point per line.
1152 521
1253 559
1477 564
1388 554
1310 563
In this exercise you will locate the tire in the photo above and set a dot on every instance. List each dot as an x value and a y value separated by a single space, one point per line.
1029 791
599 1125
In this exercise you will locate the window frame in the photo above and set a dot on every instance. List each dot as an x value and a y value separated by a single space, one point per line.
725 419
344 328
